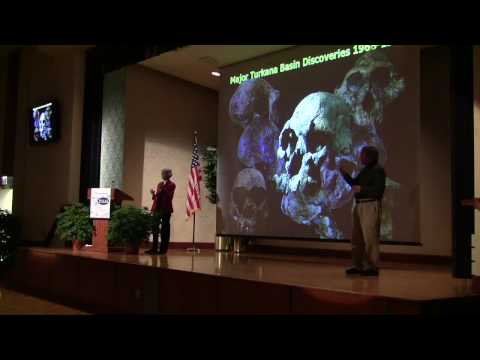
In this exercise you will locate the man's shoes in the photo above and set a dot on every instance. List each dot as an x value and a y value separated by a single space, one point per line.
151 252
354 271
370 272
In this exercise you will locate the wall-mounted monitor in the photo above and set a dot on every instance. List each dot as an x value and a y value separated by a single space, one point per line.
44 124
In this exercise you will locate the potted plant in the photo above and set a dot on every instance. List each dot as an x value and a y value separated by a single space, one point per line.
129 226
75 225
209 155
210 172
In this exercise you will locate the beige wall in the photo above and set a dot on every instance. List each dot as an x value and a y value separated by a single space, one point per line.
161 114
46 177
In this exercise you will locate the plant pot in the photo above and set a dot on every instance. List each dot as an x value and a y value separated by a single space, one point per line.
77 245
132 248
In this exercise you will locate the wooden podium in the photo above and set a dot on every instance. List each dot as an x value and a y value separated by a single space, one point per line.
100 233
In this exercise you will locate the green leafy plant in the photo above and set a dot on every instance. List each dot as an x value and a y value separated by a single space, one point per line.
75 223
8 237
210 172
129 225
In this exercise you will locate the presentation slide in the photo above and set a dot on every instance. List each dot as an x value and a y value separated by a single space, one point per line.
289 120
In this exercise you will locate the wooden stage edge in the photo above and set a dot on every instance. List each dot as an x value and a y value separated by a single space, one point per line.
336 253
219 283
269 249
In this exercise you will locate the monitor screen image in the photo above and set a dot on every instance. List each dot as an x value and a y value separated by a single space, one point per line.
44 123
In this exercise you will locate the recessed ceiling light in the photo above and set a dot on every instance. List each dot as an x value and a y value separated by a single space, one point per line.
216 73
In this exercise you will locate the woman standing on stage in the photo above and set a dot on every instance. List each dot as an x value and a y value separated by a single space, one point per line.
162 210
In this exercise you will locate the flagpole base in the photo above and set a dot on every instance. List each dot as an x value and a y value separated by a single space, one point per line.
193 249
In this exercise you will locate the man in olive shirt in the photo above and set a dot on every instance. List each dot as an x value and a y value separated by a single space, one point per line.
368 186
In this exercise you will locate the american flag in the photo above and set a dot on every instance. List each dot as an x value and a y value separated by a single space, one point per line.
193 193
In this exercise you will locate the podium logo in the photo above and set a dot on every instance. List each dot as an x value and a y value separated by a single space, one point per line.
103 201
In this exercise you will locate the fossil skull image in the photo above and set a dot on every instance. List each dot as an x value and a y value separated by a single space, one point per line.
248 202
312 144
252 98
254 107
368 88
367 136
370 85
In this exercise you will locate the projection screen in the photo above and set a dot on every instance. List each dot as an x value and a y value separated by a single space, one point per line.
289 120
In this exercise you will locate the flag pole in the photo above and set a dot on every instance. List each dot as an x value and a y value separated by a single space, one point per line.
193 248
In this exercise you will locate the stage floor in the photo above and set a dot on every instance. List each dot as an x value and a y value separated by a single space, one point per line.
401 281
14 303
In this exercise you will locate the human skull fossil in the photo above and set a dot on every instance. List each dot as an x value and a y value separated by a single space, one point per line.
254 107
248 202
312 144
254 98
367 136
370 85
42 123
257 145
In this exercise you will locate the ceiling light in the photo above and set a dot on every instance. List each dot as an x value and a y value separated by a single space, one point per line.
216 73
